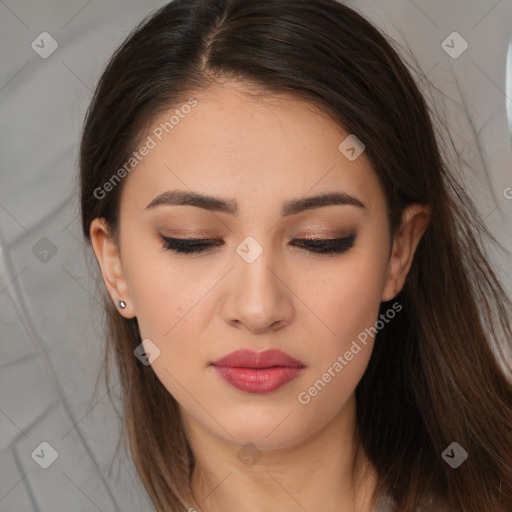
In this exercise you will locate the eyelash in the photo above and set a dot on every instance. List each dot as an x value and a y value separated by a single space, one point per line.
317 246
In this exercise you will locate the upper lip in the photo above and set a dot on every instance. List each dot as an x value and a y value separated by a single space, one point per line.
263 359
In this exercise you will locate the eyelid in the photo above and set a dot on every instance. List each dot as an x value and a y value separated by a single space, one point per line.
323 246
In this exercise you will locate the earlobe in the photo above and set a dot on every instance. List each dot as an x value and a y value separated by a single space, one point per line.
107 254
414 223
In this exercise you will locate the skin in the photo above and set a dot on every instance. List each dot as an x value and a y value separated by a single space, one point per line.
198 308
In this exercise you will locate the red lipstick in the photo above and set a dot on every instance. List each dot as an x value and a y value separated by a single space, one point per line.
258 372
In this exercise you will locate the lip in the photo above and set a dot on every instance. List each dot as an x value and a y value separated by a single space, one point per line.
258 372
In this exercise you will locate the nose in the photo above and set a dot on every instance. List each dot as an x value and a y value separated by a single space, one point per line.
259 295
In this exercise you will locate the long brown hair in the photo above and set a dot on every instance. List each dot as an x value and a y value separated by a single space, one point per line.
434 376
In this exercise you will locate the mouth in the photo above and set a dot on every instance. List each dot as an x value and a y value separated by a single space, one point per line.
258 372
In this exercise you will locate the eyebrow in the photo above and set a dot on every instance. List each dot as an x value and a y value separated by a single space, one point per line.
290 207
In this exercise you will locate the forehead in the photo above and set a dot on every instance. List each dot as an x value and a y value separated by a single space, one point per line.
261 149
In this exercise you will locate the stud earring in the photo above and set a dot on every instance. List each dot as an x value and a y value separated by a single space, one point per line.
122 304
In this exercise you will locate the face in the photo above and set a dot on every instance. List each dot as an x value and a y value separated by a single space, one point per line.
260 281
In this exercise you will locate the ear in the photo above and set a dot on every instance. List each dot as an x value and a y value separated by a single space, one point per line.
108 257
414 223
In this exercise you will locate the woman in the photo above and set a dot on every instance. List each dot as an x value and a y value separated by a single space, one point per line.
300 306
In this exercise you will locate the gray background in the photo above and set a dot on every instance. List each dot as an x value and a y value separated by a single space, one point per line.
51 335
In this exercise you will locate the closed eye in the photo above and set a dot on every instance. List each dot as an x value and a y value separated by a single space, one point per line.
314 245
327 245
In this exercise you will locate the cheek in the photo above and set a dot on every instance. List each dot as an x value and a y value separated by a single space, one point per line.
173 307
158 291
163 303
167 305
162 288
346 302
347 297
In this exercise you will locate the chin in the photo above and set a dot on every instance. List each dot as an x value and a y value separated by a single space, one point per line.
272 431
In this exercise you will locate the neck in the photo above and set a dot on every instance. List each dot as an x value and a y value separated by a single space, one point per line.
325 472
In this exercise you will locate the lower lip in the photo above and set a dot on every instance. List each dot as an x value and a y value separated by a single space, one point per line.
258 380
